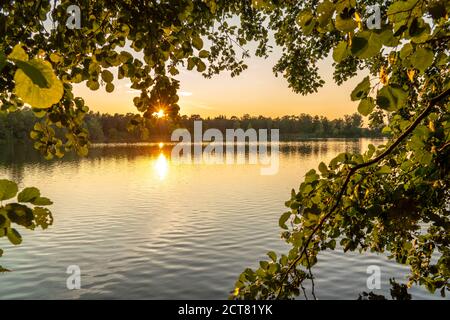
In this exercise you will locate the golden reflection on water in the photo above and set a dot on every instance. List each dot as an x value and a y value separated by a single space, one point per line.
161 166
132 187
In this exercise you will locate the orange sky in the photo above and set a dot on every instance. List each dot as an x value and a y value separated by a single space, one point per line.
256 91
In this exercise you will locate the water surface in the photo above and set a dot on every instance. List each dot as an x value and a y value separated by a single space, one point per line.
142 227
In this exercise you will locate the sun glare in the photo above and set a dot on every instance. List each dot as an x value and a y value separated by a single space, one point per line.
161 166
160 113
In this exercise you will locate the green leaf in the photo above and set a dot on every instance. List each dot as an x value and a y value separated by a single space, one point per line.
272 255
386 130
342 5
274 267
83 151
332 244
14 236
55 57
391 98
366 106
384 170
311 176
415 28
406 51
42 201
197 42
305 20
203 54
419 31
33 94
201 66
283 219
345 24
3 222
341 51
28 194
191 64
20 214
386 37
366 44
399 11
109 87
8 189
325 12
323 168
93 85
422 58
264 265
107 76
125 57
362 90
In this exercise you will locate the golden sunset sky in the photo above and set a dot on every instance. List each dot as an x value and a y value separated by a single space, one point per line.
256 91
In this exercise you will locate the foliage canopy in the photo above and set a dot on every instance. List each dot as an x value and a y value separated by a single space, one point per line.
393 198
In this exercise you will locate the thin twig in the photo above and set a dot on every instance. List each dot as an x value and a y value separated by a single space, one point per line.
304 291
313 289
444 146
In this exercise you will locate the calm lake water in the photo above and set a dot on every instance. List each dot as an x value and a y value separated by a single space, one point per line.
142 227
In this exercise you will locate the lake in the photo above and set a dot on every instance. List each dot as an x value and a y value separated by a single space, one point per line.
142 227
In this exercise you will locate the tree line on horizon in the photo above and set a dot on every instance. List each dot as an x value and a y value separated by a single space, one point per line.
104 127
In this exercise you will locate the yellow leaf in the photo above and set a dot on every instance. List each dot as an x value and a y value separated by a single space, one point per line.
431 126
411 74
258 3
358 20
40 54
384 77
392 59
18 53
55 57
32 93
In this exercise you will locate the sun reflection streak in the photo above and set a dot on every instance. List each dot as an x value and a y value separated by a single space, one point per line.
161 166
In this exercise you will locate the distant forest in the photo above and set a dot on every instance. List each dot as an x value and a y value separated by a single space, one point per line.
115 128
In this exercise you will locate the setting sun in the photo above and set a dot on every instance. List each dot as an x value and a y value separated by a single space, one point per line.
160 113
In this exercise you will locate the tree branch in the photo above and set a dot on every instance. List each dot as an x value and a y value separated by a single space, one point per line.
431 104
444 146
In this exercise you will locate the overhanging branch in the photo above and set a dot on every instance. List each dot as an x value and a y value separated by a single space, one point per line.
431 104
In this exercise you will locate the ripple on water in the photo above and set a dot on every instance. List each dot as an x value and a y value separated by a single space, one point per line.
186 236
